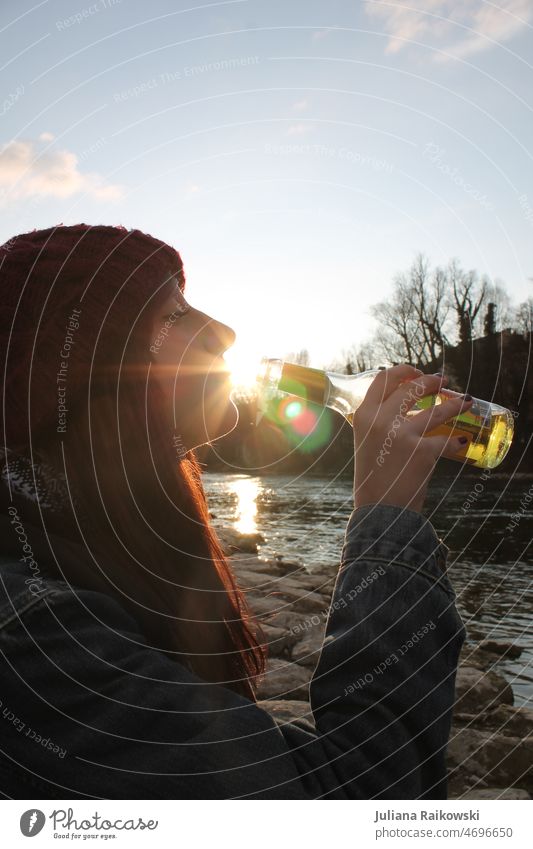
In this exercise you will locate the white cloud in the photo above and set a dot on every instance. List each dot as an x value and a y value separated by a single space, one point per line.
301 105
299 129
461 29
46 137
320 34
25 173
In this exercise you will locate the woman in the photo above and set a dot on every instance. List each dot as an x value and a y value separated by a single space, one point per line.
129 660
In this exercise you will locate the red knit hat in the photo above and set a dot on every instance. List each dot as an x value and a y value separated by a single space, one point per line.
70 295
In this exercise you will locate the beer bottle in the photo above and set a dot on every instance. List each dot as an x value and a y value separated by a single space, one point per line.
488 427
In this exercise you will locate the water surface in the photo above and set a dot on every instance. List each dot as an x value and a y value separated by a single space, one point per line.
303 519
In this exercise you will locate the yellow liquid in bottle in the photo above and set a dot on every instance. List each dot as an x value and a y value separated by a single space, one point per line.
488 427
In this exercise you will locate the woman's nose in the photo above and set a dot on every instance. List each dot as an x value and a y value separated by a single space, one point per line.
220 336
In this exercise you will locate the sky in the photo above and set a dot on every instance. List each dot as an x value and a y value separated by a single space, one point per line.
298 153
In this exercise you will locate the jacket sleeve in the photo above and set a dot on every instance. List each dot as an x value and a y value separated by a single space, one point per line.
383 690
102 715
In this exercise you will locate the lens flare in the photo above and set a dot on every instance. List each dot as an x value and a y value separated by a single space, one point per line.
293 409
304 425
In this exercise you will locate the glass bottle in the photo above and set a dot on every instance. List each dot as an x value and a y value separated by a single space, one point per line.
488 427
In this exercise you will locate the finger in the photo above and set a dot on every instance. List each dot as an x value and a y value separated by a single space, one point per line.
405 396
452 447
388 380
455 448
434 417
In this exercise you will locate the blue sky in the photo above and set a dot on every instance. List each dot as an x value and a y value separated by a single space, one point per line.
298 154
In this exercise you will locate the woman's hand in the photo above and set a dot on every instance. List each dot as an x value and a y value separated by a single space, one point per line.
393 462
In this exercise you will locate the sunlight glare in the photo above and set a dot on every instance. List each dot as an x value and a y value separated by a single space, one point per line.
244 366
246 490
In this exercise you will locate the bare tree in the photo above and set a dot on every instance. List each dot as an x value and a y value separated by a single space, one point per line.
359 357
367 357
496 294
430 305
398 336
430 309
468 294
390 348
300 358
489 325
523 319
412 322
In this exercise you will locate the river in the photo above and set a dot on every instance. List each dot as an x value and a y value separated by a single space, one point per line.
303 519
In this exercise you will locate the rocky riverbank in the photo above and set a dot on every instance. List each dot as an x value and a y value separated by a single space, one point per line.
490 753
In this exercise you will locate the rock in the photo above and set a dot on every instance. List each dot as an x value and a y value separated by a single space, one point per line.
291 621
287 710
284 680
486 653
279 641
257 576
307 602
472 658
232 540
249 579
326 588
493 758
248 561
302 591
307 651
477 691
242 560
263 605
505 719
497 793
282 567
459 783
501 648
309 582
303 606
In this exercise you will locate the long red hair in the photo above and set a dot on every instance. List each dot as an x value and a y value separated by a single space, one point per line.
145 516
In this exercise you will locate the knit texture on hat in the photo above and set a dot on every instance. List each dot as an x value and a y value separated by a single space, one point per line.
71 295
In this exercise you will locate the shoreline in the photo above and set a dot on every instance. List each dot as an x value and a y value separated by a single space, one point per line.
490 751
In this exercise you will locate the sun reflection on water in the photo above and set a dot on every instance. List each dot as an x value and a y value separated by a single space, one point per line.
246 491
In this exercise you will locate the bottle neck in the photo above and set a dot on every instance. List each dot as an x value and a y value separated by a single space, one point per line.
310 383
341 392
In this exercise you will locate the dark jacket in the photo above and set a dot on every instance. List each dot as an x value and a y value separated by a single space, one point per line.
89 711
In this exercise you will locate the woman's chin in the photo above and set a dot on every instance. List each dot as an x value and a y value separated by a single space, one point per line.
219 423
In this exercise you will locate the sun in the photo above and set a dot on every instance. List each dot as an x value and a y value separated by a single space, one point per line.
244 365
